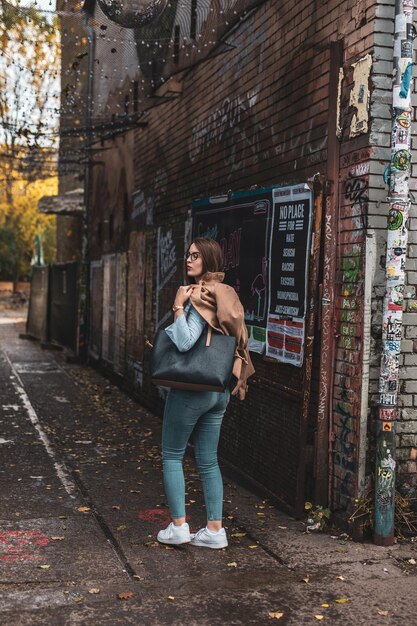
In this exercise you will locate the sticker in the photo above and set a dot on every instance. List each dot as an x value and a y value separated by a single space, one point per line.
406 49
387 427
404 119
401 160
392 327
388 399
401 135
397 101
395 296
411 31
399 186
395 219
408 6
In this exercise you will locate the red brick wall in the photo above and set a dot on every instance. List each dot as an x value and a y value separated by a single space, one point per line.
257 114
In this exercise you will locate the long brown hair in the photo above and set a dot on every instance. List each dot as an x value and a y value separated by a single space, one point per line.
211 254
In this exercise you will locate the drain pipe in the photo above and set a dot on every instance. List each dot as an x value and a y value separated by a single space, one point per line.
397 236
84 296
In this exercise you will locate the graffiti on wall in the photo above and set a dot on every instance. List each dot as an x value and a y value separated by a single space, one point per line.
246 139
170 268
347 405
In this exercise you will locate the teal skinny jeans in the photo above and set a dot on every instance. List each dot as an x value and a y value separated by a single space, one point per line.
199 414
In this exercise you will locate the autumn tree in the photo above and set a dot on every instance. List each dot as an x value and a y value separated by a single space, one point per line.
29 92
19 230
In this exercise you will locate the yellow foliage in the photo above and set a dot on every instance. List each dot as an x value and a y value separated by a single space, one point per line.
24 221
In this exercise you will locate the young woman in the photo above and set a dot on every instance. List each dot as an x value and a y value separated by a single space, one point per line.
206 301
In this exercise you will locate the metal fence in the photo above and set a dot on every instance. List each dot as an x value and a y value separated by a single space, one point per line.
53 305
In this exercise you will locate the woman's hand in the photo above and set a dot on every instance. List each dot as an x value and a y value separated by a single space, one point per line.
183 294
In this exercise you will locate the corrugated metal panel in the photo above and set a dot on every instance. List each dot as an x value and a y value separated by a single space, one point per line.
109 306
121 306
96 308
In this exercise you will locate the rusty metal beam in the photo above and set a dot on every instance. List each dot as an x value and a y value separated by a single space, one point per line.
327 304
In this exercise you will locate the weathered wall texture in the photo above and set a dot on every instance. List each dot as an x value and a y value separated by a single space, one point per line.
256 112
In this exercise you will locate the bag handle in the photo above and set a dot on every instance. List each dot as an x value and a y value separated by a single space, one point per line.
208 341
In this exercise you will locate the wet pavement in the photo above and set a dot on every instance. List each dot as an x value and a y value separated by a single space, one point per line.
82 501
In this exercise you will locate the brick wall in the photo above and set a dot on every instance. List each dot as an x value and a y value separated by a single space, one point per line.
252 109
258 114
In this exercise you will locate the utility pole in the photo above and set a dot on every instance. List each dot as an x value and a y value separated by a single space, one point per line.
397 235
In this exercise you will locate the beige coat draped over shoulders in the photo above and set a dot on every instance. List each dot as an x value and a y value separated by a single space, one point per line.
220 306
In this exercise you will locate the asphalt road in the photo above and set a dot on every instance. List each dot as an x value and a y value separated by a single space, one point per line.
82 501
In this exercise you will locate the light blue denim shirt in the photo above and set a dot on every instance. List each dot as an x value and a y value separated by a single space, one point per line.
186 329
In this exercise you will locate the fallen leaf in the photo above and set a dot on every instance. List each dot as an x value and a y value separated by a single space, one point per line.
339 578
79 599
276 615
306 579
342 600
384 613
57 538
412 561
83 509
44 566
232 564
116 507
94 590
171 597
252 547
122 527
283 527
319 617
238 535
138 577
325 606
125 595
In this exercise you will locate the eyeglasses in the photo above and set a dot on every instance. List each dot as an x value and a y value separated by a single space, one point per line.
193 256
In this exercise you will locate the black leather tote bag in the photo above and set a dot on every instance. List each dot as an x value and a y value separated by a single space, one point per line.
206 367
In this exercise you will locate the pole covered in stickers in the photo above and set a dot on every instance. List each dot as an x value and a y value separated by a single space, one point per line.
398 174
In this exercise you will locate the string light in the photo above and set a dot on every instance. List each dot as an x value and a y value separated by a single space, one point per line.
143 57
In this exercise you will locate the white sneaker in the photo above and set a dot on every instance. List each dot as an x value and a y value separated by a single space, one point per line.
175 534
208 539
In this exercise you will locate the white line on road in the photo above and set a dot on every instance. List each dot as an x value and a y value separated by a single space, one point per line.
63 475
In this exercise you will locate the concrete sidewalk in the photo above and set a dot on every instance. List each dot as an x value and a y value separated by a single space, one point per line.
82 501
